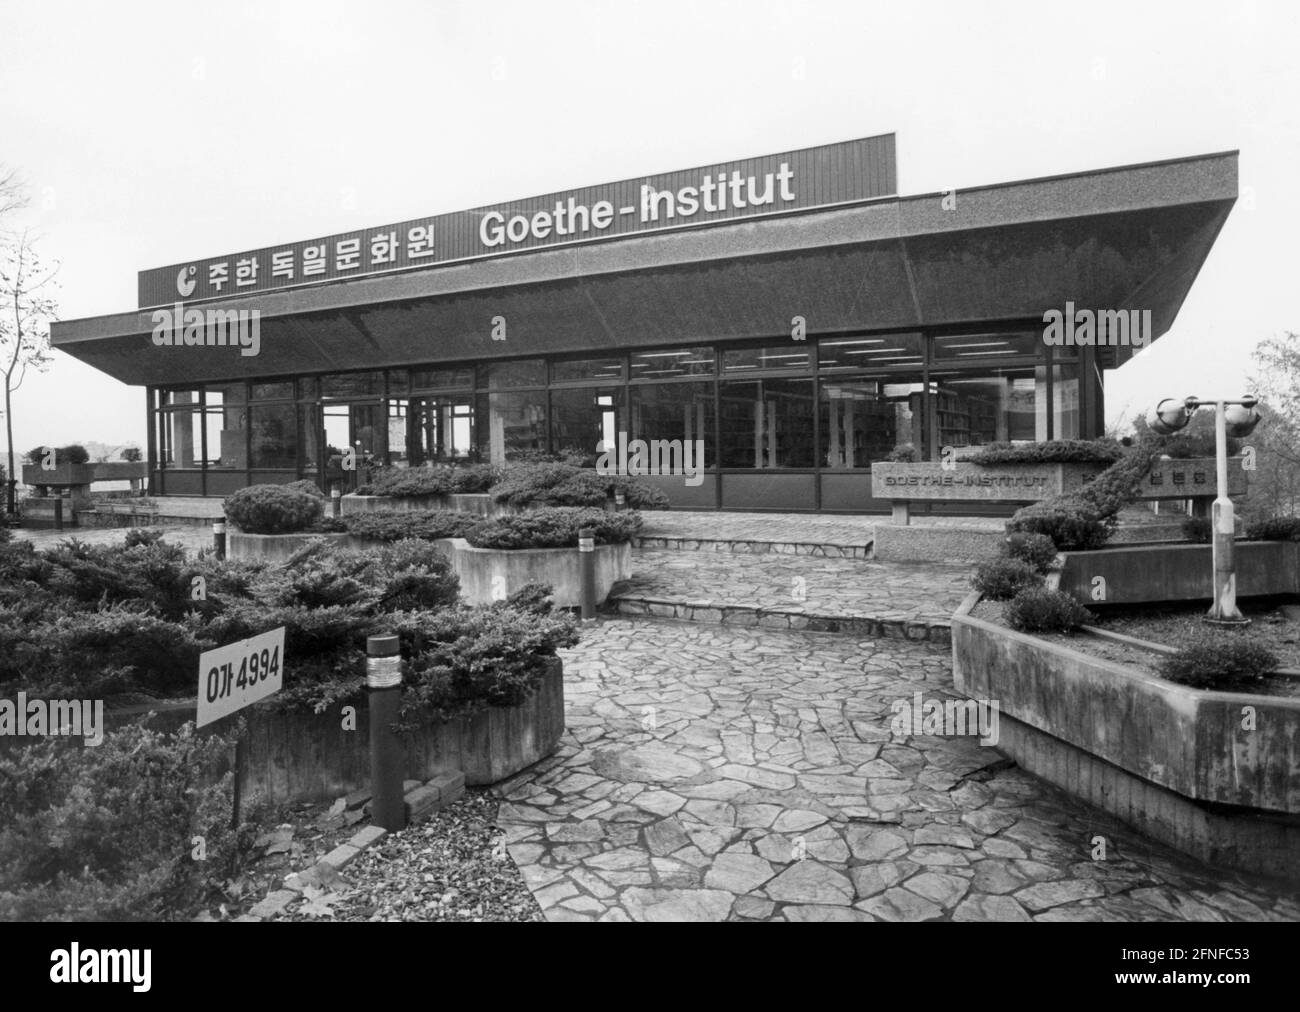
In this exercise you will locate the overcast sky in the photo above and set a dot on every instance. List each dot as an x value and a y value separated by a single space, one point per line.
152 133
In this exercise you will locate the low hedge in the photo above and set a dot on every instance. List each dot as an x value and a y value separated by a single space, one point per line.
1052 451
552 484
553 527
396 525
136 828
1274 529
1219 660
1037 609
437 480
1001 578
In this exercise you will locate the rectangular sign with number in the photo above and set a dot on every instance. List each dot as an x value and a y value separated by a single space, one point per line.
240 673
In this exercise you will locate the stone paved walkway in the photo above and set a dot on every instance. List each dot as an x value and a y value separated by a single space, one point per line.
712 774
811 585
189 537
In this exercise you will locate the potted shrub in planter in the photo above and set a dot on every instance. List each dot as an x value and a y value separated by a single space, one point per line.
504 554
71 467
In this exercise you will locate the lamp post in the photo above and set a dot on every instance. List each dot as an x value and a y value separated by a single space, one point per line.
1236 418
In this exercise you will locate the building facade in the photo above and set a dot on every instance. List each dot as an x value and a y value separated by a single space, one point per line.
790 314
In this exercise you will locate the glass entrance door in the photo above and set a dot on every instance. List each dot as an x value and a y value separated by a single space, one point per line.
356 427
441 428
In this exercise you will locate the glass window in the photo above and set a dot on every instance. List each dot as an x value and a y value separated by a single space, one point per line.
273 391
767 424
309 388
310 425
674 411
671 364
1065 402
780 356
990 406
181 435
600 370
972 346
227 428
397 382
274 436
887 351
359 384
181 397
511 426
864 420
529 372
459 378
582 417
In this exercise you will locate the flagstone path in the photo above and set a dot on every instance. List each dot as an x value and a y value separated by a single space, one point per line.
719 774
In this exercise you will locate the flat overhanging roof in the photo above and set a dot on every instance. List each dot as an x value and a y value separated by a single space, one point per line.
1132 237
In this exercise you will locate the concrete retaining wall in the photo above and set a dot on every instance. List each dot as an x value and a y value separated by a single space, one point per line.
302 756
1203 782
480 503
1180 572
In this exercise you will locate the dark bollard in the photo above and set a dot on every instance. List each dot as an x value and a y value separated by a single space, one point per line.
336 501
219 538
387 763
58 512
587 550
620 502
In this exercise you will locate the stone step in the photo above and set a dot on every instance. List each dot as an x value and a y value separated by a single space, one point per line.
753 547
937 631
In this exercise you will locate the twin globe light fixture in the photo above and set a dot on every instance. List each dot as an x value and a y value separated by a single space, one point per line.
1235 418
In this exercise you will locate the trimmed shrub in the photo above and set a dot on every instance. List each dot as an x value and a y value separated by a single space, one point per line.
138 536
435 480
905 454
397 525
1002 578
1037 609
73 453
1052 451
637 495
273 509
1198 530
1083 520
1185 445
463 661
1035 550
1219 660
1274 529
553 527
1069 530
131 454
35 455
106 833
306 486
564 485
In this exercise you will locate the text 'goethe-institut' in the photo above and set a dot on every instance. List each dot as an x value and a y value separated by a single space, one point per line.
790 311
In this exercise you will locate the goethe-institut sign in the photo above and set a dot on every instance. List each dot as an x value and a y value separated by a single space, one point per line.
840 173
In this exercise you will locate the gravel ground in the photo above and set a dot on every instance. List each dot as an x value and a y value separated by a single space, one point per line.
453 867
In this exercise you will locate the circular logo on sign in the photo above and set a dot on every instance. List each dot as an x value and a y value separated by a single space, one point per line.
185 281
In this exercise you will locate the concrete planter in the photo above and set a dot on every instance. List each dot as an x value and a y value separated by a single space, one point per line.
63 475
1172 761
1179 572
276 547
480 503
489 574
298 756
